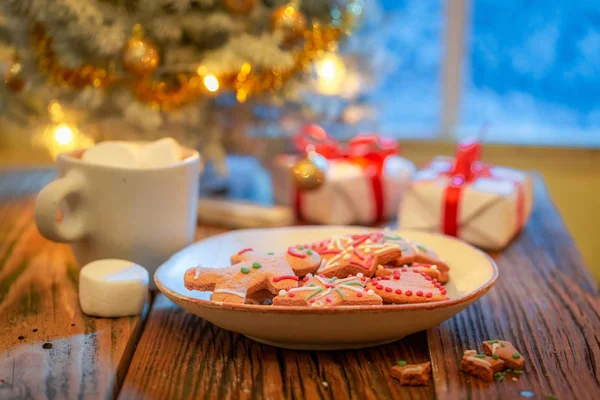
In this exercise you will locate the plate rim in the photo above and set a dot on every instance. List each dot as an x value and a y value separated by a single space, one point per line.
272 309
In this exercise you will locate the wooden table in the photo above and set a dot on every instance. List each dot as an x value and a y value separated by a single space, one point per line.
545 302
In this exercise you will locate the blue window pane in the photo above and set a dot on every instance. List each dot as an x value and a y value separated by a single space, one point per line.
408 98
533 72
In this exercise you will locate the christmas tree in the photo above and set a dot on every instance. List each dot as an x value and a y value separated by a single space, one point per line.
106 69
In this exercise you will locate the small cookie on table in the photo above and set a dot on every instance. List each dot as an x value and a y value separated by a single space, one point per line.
505 351
480 365
412 374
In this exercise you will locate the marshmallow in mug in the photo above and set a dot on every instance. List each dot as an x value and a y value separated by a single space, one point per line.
159 153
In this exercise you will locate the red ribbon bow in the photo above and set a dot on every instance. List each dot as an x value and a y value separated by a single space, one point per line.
367 150
466 168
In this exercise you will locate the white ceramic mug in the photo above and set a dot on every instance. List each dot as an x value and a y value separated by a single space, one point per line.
139 215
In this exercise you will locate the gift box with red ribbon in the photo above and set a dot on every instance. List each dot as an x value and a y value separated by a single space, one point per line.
364 181
483 204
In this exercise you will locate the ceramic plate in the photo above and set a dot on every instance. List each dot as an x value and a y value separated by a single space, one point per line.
473 273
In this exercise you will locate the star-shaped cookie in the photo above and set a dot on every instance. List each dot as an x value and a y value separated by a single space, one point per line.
319 291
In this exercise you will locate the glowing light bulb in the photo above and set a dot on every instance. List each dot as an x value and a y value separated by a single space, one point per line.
331 73
211 83
63 134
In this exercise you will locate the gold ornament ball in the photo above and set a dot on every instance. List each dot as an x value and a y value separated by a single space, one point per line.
307 175
13 75
290 22
140 56
239 6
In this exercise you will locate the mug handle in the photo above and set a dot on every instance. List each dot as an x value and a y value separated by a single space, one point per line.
47 206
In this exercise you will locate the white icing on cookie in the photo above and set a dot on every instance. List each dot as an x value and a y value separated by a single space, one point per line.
228 291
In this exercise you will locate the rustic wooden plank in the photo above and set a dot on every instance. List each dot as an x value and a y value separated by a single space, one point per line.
48 348
181 356
546 303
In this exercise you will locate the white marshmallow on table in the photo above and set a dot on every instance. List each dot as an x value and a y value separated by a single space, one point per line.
113 288
159 153
114 154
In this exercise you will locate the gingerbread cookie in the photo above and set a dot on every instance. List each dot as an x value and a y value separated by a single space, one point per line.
233 283
408 287
350 255
480 365
302 259
424 255
505 351
412 374
431 270
318 291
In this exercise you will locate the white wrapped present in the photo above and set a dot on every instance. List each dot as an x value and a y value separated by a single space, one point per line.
483 204
357 189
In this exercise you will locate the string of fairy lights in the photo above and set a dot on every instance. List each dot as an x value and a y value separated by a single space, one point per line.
141 59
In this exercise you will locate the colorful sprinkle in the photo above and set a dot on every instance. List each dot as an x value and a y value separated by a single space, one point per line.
502 345
353 283
300 247
282 277
319 290
388 289
292 294
359 294
309 252
398 291
393 237
245 270
256 265
401 363
495 356
480 355
428 294
370 292
360 275
516 356
509 370
293 253
408 293
419 293
386 278
551 396
379 287
492 341
244 251
527 393
517 371
422 248
282 292
499 376
328 300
